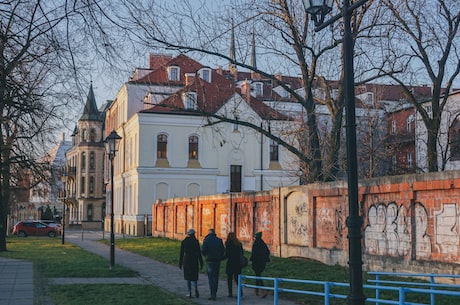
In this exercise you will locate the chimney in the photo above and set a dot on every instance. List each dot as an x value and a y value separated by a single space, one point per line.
189 78
158 60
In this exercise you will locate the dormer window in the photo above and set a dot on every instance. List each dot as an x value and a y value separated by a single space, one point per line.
189 99
259 89
205 74
173 73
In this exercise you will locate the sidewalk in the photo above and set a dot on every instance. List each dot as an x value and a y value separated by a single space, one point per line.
16 282
165 276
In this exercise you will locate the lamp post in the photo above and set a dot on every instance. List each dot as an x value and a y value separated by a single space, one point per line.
111 147
64 198
319 9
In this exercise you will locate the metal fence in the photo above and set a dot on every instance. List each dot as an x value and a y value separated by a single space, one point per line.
396 291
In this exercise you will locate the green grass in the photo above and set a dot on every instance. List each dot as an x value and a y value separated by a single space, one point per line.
52 259
113 295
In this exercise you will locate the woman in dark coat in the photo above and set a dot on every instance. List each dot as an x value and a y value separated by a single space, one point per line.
233 250
259 257
190 258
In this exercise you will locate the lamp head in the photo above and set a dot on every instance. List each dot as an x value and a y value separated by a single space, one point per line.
111 143
318 9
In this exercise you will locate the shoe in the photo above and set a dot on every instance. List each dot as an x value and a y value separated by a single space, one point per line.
264 294
197 294
190 295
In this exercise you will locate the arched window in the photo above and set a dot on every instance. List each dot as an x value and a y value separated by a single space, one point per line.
83 160
193 148
82 185
454 135
91 185
162 146
91 160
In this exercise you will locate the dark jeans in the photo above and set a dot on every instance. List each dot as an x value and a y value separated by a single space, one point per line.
213 269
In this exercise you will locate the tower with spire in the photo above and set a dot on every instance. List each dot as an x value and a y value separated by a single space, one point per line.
232 66
85 162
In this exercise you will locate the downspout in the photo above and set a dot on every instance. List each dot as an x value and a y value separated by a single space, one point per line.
261 160
123 181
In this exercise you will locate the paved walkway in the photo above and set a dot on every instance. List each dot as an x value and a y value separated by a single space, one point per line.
16 283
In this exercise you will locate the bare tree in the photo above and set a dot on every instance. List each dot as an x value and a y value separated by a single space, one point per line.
422 42
282 31
39 49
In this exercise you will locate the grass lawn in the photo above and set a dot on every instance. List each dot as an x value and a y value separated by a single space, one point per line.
52 259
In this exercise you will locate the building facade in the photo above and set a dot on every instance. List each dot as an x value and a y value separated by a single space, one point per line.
173 145
84 174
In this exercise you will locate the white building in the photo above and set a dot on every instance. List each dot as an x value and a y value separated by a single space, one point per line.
448 139
170 149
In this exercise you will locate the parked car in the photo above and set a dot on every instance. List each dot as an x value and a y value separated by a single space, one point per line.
34 227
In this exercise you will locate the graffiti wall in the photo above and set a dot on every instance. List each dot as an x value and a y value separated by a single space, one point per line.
410 223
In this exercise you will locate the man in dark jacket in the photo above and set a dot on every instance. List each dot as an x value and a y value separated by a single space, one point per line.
213 249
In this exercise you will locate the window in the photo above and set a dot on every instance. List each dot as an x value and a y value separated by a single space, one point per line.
235 178
83 160
92 135
82 185
409 121
89 212
259 89
162 146
173 73
274 149
393 127
205 74
91 160
193 148
454 134
394 162
84 135
190 100
91 185
409 160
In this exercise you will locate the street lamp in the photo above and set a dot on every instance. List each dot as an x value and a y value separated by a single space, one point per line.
111 147
318 9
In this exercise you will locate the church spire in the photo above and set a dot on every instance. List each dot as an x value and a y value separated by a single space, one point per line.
232 66
90 112
253 52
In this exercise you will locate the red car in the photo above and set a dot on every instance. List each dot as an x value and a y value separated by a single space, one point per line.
33 227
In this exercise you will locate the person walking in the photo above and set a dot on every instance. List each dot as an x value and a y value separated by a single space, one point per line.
233 251
259 257
213 249
190 259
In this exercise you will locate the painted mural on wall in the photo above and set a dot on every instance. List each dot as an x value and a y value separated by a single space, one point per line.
388 230
297 219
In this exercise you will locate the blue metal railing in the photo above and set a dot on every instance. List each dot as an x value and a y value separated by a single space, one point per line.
327 294
431 284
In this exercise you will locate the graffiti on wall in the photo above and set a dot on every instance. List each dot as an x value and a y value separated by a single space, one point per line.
297 219
389 230
447 230
244 221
